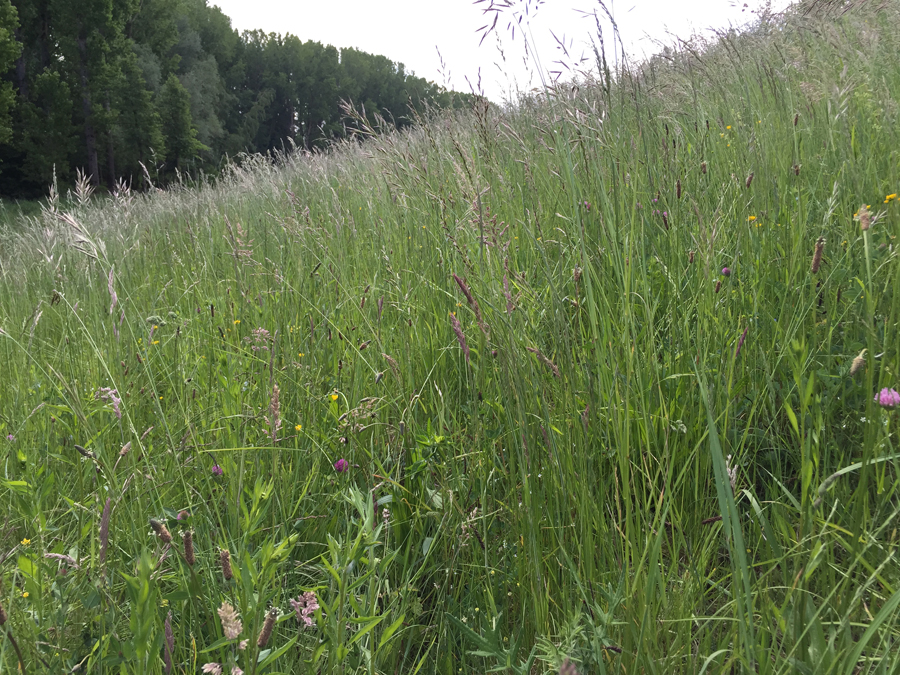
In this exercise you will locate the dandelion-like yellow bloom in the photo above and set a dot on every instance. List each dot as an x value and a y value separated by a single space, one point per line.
728 128
334 397
237 321
26 541
751 218
156 342
298 427
300 354
25 594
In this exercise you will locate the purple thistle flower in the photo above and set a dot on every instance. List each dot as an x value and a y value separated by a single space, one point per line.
10 438
341 465
217 470
726 272
888 398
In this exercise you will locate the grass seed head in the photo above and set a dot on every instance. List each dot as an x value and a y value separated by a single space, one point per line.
189 556
268 627
749 181
817 256
225 560
161 531
865 220
858 363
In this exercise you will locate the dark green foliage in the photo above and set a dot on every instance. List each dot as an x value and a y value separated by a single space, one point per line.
89 85
181 141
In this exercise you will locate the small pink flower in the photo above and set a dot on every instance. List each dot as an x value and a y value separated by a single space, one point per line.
341 465
888 398
213 668
217 470
726 272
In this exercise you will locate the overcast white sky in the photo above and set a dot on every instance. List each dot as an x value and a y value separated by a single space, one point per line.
411 31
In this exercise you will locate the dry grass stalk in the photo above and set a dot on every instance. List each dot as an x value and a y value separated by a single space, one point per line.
169 644
543 359
275 413
104 529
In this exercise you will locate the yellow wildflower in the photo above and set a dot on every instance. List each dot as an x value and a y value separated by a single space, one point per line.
334 397
26 541
237 321
728 128
156 342
25 594
298 427
751 218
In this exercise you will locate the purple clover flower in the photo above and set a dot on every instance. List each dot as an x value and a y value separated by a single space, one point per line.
726 272
217 470
888 398
341 465
11 438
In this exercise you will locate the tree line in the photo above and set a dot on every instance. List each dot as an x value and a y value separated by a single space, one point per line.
143 89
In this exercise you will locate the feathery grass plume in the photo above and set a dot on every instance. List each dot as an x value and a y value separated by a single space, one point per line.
362 303
703 167
690 257
473 303
576 274
268 626
718 285
796 168
678 188
169 643
858 363
817 256
231 623
104 529
741 342
188 539
211 669
125 449
225 560
380 307
275 413
161 531
865 220
796 118
114 299
749 180
395 367
543 359
460 337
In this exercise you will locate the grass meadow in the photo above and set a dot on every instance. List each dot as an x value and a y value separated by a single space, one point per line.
584 385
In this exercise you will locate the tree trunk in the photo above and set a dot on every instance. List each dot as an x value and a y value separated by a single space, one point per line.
110 153
21 73
90 136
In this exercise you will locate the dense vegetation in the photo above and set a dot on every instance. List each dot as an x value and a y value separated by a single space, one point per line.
114 86
599 383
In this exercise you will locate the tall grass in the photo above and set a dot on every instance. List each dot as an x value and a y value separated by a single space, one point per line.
573 441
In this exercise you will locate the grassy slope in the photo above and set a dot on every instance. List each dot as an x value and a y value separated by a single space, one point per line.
566 488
